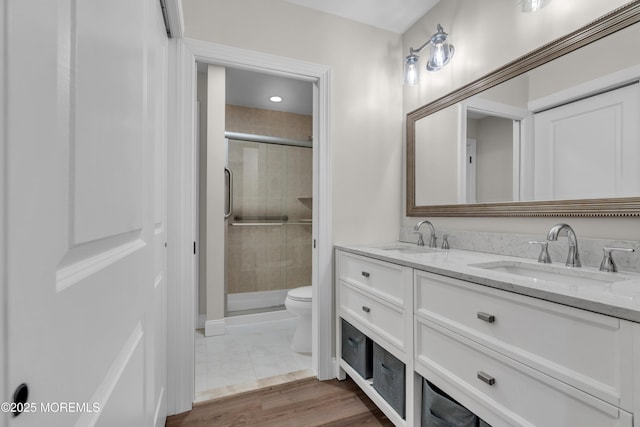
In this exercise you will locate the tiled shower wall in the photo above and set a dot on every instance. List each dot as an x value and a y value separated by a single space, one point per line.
268 122
269 181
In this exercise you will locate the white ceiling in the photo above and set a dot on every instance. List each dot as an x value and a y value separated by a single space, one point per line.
251 89
392 15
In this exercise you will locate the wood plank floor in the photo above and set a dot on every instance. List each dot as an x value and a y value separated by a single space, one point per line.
302 403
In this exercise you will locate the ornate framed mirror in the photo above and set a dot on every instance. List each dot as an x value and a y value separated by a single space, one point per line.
438 182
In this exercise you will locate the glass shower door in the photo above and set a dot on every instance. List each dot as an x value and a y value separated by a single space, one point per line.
269 229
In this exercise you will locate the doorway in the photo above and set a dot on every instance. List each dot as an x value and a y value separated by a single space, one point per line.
491 138
267 228
182 195
490 157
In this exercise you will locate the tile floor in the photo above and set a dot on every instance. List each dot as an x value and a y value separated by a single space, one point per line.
246 360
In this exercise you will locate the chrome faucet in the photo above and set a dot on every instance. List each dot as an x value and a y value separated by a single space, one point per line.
432 238
573 258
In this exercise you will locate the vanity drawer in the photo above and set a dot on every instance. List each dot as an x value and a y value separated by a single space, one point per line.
386 320
502 390
382 278
586 350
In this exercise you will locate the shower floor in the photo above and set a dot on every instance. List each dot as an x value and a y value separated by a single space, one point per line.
247 359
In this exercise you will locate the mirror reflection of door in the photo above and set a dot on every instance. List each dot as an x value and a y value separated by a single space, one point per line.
589 148
493 168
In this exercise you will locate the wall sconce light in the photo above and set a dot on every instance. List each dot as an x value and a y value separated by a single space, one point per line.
528 6
440 53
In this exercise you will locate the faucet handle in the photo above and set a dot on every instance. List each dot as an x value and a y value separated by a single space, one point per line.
607 263
544 251
420 238
445 240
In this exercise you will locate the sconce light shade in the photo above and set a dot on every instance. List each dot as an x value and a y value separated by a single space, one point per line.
529 6
411 71
440 53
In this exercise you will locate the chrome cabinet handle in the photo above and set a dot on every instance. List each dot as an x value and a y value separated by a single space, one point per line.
486 378
489 318
365 274
366 309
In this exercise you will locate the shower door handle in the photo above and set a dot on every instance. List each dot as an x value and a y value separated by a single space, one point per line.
229 174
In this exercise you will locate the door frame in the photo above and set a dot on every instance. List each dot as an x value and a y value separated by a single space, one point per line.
472 150
183 198
521 118
4 392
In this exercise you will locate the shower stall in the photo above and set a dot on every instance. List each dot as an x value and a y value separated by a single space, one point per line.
268 221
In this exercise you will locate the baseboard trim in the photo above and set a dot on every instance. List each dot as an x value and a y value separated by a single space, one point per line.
214 327
160 417
336 369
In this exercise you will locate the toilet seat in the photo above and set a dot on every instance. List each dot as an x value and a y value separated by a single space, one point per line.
302 294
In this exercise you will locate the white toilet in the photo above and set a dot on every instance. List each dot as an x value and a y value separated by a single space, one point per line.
298 302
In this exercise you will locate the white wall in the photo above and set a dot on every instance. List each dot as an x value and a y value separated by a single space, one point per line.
488 34
215 195
579 67
366 98
437 157
474 28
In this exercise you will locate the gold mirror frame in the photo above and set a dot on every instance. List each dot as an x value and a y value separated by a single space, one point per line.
616 20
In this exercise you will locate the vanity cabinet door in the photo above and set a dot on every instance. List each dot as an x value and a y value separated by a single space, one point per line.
503 391
589 351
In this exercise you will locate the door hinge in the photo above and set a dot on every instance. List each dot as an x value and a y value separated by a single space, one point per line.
314 243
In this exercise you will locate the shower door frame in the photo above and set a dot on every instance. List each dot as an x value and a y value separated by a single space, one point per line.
183 206
275 297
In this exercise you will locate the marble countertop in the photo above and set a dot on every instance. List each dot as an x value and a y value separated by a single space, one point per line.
615 294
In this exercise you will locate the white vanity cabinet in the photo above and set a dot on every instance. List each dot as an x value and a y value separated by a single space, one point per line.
520 361
512 359
376 297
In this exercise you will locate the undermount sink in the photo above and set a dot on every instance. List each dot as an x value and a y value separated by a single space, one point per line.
552 273
410 249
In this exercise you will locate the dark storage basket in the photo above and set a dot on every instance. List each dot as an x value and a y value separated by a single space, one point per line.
440 410
357 350
389 378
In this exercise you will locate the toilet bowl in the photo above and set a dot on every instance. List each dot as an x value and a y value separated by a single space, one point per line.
298 302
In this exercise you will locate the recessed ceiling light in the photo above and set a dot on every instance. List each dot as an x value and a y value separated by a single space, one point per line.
275 98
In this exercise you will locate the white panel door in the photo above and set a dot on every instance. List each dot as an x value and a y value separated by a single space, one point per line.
86 144
589 148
